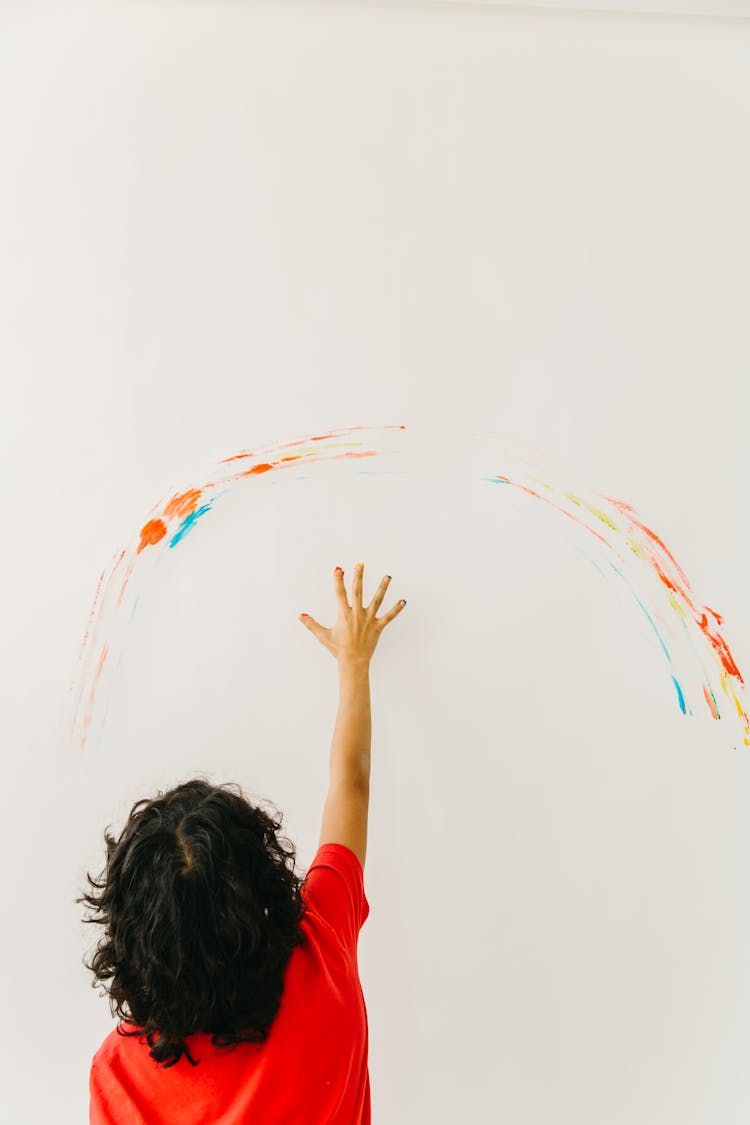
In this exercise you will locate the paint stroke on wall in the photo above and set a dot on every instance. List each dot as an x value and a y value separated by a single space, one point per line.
620 545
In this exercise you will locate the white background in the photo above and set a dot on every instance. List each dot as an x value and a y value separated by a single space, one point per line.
226 223
736 9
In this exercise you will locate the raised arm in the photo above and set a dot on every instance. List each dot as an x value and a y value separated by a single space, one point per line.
348 801
352 641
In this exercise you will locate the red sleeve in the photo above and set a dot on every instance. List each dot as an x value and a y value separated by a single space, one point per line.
334 887
100 1112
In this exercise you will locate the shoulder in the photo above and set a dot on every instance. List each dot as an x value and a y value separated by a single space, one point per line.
334 889
337 855
342 860
114 1043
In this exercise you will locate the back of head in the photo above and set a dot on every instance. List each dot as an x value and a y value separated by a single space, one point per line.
201 909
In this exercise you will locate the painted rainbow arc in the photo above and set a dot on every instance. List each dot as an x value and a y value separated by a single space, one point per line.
624 545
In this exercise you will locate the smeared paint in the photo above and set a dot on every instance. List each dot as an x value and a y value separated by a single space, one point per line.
182 504
680 696
630 512
711 701
721 648
189 522
643 562
672 580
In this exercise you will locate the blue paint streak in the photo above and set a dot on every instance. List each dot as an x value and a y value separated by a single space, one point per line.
595 565
648 615
680 696
189 522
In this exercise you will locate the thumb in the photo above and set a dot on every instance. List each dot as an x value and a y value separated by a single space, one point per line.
319 631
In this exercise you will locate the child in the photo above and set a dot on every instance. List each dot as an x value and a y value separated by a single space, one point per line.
236 982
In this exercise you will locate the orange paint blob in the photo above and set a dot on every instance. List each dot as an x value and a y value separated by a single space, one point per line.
263 467
182 504
151 533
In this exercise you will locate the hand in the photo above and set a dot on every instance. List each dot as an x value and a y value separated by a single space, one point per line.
356 633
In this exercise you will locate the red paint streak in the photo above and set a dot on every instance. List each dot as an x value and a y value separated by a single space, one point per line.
716 640
284 463
353 456
92 693
570 515
236 457
721 648
97 674
651 534
91 615
120 557
151 533
126 579
182 504
305 440
670 584
83 648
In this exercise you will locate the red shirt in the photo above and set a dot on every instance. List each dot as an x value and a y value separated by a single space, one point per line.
313 1067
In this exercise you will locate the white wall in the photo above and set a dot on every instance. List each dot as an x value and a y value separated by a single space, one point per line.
733 9
232 223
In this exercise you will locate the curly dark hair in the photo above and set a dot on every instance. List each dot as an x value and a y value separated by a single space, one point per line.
201 910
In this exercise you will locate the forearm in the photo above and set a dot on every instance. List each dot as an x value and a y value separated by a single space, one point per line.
352 734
